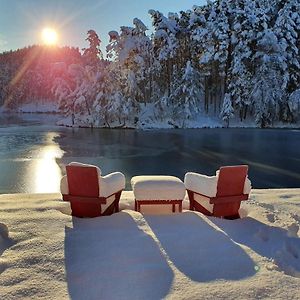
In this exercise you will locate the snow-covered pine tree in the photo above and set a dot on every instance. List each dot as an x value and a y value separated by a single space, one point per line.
131 50
294 105
227 111
246 48
212 27
186 97
242 39
287 29
165 49
267 82
93 53
62 87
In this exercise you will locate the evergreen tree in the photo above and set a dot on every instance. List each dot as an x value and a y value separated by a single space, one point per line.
186 96
294 105
229 58
93 53
267 82
227 111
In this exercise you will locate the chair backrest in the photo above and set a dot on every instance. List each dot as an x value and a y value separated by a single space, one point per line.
83 181
231 180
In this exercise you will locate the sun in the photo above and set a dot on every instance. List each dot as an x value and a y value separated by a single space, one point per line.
49 36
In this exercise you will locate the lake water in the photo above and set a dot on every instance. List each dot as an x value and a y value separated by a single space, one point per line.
33 153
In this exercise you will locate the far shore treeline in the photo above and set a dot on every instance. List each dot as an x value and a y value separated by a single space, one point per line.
228 59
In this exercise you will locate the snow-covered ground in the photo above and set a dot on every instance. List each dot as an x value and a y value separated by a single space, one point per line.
45 253
148 119
202 121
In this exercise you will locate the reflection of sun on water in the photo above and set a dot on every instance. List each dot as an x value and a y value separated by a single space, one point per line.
47 173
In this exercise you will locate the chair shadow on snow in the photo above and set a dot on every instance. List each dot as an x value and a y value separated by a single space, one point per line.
281 246
111 258
5 241
200 251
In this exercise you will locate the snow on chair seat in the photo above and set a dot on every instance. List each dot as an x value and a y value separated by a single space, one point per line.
219 195
89 193
158 190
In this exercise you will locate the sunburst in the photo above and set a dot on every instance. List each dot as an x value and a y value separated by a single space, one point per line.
49 36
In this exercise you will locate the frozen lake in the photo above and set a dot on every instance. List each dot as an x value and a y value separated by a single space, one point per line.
31 152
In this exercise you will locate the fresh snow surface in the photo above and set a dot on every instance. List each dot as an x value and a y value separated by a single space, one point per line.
45 253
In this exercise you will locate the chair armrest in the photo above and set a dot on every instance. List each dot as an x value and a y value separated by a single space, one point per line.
229 199
111 184
201 184
64 188
247 186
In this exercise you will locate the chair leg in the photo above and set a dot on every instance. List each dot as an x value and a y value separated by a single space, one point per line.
191 198
173 208
233 217
117 200
180 207
137 206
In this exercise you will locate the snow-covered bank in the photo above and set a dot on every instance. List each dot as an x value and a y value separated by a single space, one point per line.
51 115
46 253
148 118
147 122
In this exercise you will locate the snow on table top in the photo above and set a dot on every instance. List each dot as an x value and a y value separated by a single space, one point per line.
157 187
46 253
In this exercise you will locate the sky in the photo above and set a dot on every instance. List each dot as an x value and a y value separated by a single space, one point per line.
22 21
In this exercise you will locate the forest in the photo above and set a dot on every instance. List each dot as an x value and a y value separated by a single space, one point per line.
236 59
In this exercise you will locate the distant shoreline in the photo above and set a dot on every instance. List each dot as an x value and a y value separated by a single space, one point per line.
64 122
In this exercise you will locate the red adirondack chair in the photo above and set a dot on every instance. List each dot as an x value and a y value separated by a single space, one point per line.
90 194
219 195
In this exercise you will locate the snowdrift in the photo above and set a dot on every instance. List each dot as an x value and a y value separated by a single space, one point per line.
46 253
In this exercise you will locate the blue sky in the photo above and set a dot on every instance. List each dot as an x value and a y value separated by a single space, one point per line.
21 21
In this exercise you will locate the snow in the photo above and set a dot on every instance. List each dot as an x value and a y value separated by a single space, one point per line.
227 111
39 107
157 188
113 35
294 102
45 253
150 120
110 183
140 26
